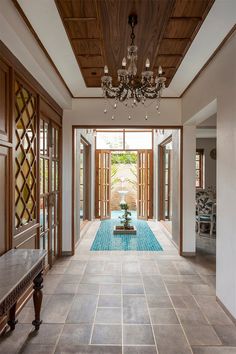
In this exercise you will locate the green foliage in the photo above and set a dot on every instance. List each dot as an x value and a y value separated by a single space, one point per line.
133 182
126 217
124 158
114 179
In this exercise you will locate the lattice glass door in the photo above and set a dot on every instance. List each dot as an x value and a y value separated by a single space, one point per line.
25 157
145 184
103 184
49 188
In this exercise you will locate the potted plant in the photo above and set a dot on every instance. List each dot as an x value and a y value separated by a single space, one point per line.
125 219
126 227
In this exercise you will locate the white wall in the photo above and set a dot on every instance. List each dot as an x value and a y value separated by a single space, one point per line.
218 82
91 112
189 152
67 182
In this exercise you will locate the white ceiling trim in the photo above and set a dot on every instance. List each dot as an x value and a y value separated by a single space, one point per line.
51 32
20 41
218 23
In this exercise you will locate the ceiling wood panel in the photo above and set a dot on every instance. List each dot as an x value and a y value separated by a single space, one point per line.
99 33
189 8
83 29
173 46
87 46
181 27
89 61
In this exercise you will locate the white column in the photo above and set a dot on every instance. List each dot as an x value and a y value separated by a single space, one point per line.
226 199
189 152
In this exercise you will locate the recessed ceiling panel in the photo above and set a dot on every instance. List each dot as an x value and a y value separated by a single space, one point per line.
99 33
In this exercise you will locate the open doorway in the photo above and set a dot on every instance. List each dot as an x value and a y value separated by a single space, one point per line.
81 183
206 198
124 163
169 181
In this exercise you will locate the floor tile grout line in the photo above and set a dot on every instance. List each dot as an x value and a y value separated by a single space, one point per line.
94 319
58 339
208 322
122 319
179 319
154 338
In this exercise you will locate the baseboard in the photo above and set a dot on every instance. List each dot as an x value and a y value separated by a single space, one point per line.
66 253
188 254
226 310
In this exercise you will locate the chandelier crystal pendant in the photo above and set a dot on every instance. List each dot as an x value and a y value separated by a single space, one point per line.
131 88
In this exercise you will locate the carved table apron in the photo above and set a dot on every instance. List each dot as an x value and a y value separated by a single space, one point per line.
18 269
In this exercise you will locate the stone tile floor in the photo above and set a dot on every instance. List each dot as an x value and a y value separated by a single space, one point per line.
127 303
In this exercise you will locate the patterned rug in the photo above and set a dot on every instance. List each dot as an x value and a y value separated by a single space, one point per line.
144 240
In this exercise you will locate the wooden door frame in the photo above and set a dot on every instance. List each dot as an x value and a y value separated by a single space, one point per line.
161 168
148 182
88 185
52 124
156 127
97 152
87 149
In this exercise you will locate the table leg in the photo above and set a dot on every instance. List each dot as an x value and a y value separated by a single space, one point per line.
37 298
12 317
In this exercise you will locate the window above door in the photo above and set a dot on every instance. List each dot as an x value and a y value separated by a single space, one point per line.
124 139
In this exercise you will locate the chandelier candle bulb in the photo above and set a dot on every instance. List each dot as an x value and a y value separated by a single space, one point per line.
160 70
124 62
105 69
147 65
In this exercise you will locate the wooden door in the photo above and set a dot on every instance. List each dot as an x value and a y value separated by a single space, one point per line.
103 184
145 184
49 188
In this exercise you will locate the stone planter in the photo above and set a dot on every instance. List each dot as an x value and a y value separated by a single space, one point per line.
120 230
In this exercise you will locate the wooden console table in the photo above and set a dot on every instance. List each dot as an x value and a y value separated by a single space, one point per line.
18 269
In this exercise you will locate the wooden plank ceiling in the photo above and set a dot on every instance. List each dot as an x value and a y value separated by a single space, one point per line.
99 33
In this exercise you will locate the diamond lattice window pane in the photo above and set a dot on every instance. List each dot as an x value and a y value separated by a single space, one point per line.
25 118
25 168
20 181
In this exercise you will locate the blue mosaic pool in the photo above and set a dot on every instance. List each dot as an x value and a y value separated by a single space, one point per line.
144 240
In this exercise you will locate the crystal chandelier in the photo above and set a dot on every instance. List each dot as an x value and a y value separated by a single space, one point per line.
131 89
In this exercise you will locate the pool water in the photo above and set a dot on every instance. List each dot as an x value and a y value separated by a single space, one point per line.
144 240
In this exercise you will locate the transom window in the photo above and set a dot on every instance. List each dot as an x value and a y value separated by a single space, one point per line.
124 139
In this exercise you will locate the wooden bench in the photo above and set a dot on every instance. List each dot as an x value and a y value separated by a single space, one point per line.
18 269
